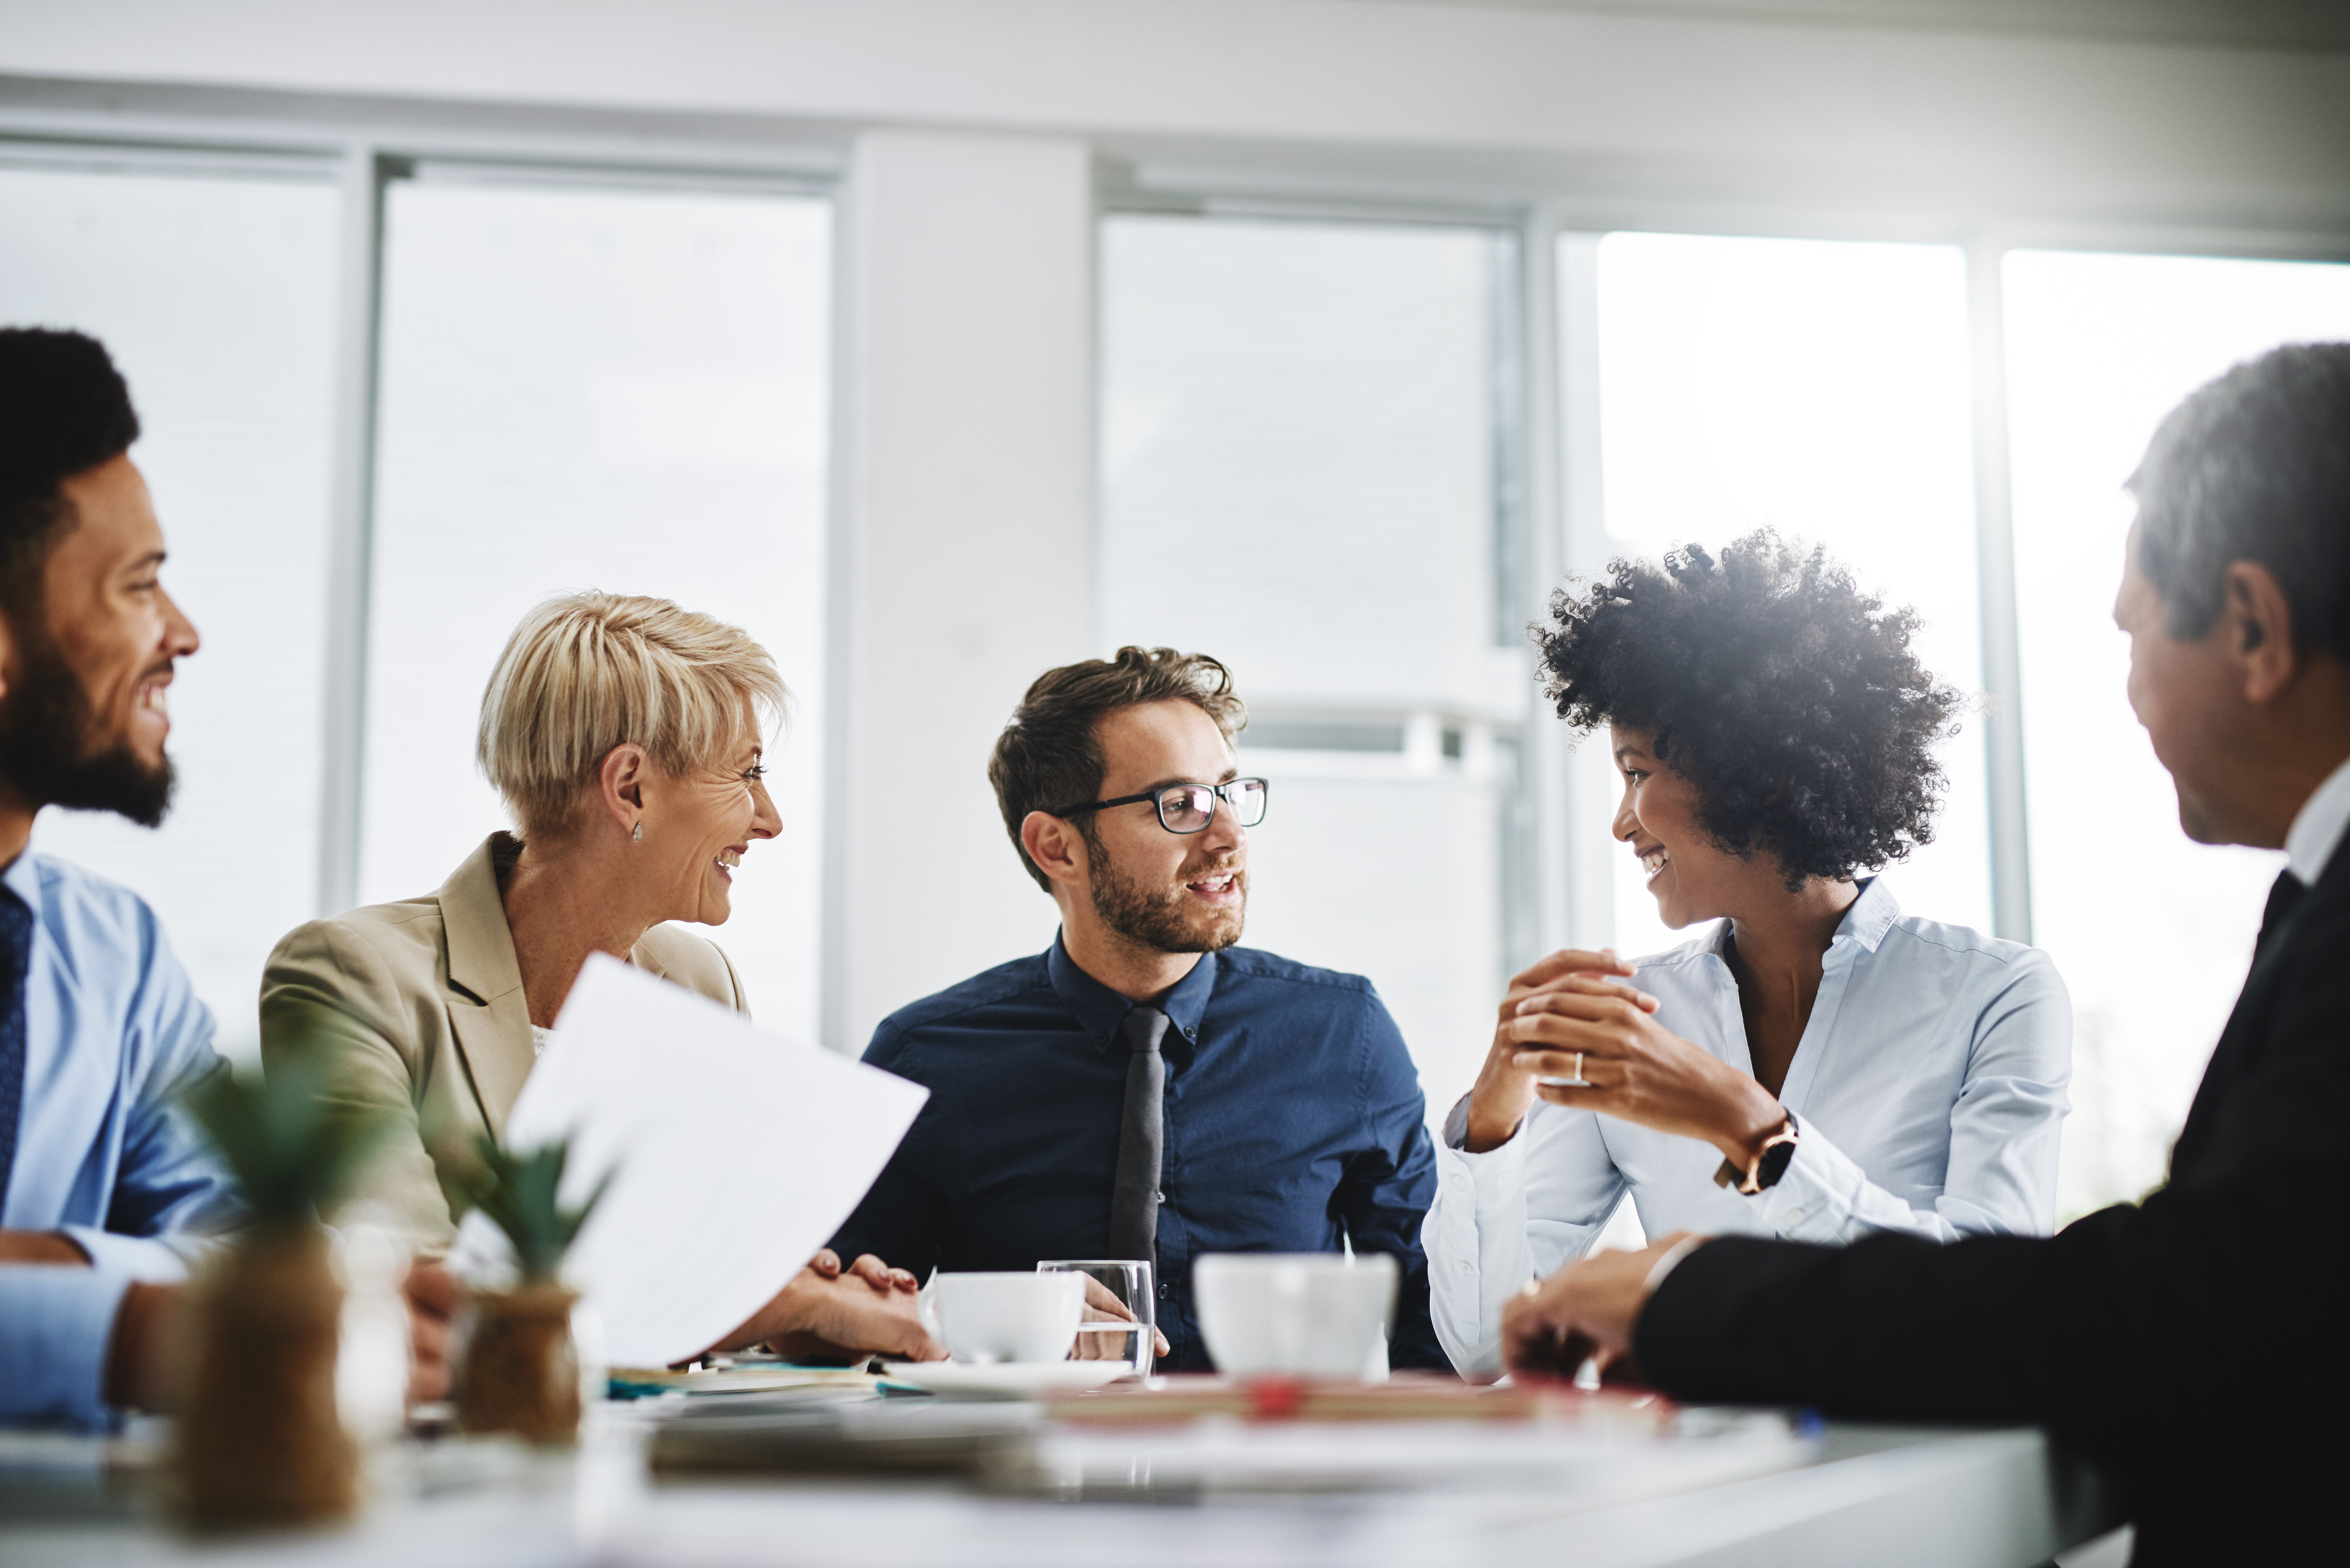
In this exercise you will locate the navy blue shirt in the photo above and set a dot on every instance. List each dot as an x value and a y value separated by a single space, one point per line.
1294 1117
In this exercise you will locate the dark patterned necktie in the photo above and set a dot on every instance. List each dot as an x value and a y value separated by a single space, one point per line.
2283 895
16 957
1134 1196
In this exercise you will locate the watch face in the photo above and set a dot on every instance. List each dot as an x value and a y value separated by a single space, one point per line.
1774 1163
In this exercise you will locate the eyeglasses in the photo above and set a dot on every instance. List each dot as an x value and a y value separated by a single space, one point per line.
1189 807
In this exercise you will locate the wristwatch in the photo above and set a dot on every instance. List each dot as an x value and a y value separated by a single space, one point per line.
1770 1162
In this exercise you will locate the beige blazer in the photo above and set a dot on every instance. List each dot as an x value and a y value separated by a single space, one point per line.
416 1008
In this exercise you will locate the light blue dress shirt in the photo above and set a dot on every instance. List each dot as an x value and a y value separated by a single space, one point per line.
1928 1085
113 1034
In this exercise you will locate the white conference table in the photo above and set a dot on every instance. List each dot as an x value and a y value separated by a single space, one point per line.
1746 1489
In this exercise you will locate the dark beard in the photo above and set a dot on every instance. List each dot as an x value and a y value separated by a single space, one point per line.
44 725
1156 923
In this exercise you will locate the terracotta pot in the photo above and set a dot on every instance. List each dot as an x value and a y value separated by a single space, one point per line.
521 1370
262 1442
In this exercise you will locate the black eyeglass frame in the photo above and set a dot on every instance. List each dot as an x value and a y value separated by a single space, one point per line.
1158 799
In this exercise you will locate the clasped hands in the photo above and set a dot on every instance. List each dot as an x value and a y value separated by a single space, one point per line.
843 1314
1572 1015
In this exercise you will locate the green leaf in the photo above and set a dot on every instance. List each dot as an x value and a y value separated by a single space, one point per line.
293 1147
520 1194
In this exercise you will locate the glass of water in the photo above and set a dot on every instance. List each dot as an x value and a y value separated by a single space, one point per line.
1103 1336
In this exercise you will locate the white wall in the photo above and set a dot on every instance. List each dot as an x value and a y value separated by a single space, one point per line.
975 133
965 548
1904 118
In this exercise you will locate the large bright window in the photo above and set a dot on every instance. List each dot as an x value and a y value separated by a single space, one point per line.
2151 932
1819 388
1299 466
216 298
622 389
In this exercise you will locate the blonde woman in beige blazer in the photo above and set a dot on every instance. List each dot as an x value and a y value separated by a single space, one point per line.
626 737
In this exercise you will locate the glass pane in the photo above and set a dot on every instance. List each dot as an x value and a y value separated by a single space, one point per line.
1819 388
1297 473
215 296
617 389
2153 933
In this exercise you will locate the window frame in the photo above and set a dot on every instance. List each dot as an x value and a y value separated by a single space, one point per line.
1547 495
1521 567
363 162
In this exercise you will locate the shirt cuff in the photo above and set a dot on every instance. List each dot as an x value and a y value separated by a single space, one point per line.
1814 1198
56 1323
148 1260
1456 1139
1474 1236
1456 1125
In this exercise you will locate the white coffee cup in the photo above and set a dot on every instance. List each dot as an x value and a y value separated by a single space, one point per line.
1008 1317
1302 1315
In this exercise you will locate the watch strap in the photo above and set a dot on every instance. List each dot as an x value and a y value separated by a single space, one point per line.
1770 1162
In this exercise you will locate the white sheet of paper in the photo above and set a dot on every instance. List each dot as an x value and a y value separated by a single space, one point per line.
737 1153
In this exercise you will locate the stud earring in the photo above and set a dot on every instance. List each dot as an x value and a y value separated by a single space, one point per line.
636 833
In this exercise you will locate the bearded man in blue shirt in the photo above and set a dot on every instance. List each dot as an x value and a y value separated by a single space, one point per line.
1145 1089
106 1191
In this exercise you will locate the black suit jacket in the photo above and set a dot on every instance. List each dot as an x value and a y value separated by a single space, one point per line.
2193 1344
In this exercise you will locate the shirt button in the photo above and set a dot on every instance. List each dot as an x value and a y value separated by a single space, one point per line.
1467 1267
1795 1214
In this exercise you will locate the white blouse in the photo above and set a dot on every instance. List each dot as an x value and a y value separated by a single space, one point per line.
1928 1085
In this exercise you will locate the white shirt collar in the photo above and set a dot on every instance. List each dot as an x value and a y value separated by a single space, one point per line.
1866 921
1871 915
2318 827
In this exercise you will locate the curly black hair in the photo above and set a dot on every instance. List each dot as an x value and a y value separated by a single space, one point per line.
63 408
1789 697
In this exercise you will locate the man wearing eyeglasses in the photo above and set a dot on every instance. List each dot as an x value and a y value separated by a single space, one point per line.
1145 1089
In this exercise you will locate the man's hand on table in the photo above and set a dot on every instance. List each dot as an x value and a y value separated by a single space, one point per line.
41 1247
830 1312
1101 1306
1586 1311
148 1348
143 1362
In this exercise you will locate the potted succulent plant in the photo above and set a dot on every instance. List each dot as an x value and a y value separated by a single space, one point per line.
261 1441
520 1369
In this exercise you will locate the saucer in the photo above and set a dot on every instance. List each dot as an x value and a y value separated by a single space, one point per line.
1004 1379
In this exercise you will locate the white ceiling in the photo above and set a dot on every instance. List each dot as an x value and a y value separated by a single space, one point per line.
2322 25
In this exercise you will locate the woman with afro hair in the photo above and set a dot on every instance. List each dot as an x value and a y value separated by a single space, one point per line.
1818 1065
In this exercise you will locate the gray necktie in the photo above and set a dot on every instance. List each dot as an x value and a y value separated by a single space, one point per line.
1134 1197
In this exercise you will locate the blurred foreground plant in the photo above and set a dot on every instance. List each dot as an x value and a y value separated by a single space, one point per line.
520 1370
293 1148
263 1442
521 1194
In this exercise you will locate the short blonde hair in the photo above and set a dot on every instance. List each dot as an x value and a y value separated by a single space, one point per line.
589 672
